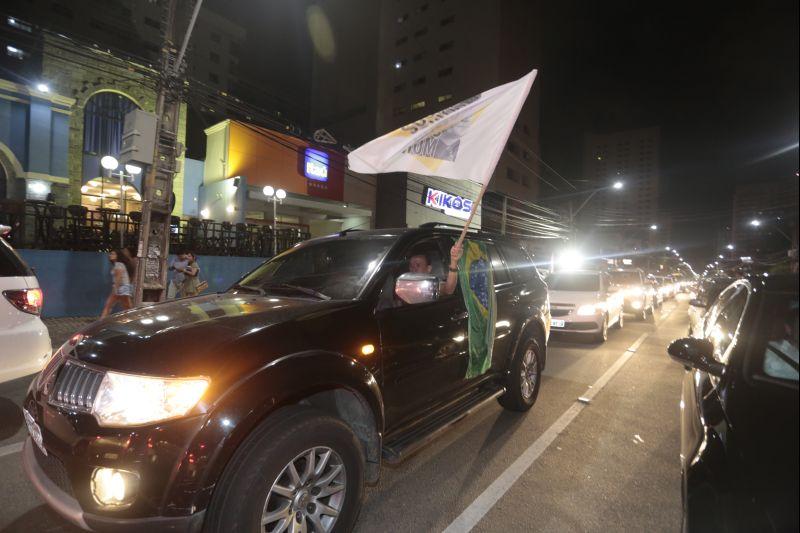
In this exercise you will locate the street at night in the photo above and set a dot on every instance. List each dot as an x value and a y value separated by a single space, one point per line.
571 466
324 266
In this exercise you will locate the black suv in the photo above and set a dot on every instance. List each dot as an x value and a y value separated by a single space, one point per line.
269 406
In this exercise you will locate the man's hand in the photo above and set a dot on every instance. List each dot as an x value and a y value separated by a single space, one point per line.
455 254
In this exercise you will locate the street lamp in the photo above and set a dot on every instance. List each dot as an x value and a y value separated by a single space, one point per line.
755 223
275 196
110 163
653 227
618 185
730 247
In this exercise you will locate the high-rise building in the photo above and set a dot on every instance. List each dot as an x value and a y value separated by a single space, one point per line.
432 54
624 216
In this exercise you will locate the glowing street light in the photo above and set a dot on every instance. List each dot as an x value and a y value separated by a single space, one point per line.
42 88
667 248
109 162
133 169
730 247
618 185
755 223
653 227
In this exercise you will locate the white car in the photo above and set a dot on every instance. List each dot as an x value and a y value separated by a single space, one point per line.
584 302
24 339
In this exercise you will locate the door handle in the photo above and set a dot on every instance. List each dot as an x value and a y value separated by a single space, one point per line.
460 316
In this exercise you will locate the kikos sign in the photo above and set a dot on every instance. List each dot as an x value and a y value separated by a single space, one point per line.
450 204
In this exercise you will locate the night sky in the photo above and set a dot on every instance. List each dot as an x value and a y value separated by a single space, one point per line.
720 78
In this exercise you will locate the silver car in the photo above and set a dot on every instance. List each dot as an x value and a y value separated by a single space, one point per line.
584 302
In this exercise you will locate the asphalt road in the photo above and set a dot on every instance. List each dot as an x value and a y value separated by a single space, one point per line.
609 463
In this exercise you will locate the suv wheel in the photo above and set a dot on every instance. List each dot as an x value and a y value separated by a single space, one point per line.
525 375
620 322
602 336
643 314
299 471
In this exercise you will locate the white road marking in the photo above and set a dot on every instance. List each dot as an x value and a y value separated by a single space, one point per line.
11 448
473 514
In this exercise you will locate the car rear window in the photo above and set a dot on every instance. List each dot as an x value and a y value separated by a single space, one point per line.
11 264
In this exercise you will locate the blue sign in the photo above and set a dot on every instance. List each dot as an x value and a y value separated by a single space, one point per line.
316 165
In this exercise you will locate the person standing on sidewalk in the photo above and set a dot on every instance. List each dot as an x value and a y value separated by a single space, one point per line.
191 279
121 289
178 266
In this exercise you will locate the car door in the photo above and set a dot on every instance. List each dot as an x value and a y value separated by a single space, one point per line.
507 297
424 346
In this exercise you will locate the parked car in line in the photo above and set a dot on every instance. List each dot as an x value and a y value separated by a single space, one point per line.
707 292
638 294
272 404
739 410
666 287
584 302
24 339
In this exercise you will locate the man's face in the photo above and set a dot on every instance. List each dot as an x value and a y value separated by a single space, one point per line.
418 264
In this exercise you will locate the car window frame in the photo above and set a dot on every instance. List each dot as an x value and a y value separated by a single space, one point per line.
494 249
736 289
752 365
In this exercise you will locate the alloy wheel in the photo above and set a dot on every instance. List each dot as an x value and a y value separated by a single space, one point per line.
529 373
308 494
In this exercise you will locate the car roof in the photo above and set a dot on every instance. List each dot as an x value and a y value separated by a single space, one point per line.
412 232
577 271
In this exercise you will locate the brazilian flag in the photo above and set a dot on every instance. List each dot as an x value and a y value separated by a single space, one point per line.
477 286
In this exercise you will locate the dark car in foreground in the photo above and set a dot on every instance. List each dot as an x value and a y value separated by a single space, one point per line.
270 406
739 410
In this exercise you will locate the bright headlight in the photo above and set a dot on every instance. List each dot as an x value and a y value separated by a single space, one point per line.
128 400
587 309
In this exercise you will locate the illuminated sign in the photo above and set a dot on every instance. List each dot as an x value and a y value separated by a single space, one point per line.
449 204
316 165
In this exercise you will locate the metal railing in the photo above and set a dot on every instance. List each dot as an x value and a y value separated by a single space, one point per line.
44 225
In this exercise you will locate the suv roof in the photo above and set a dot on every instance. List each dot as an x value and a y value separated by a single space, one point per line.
11 264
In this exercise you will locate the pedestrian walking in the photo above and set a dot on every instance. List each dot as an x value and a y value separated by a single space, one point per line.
122 271
178 267
191 279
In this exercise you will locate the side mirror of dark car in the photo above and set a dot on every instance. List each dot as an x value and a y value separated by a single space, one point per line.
415 288
697 354
697 303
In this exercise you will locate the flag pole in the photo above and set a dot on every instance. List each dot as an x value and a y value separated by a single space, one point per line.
460 240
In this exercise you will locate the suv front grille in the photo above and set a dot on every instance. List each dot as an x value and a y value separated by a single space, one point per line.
54 470
76 387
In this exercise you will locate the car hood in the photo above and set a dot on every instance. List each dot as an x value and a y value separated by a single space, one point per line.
573 297
192 336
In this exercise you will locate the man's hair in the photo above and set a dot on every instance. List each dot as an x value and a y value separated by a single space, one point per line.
423 254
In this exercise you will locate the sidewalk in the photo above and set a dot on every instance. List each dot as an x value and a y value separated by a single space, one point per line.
62 328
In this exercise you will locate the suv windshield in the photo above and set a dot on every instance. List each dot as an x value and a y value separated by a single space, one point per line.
573 282
336 268
626 277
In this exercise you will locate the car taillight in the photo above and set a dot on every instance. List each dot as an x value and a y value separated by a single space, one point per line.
27 300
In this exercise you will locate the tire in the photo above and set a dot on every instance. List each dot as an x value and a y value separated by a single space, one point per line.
518 395
602 336
247 492
621 322
643 314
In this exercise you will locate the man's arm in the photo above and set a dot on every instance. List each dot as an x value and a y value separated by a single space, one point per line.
452 275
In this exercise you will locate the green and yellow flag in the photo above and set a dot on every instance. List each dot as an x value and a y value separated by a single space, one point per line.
477 285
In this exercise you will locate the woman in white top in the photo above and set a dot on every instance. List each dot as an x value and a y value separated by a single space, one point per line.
121 289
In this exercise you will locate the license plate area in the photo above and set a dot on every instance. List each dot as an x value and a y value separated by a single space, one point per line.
554 322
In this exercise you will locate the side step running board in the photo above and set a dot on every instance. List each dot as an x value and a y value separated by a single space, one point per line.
403 446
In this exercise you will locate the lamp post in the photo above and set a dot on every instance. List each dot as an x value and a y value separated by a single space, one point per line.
110 163
275 196
617 185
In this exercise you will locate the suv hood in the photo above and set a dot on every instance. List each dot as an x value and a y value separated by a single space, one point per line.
188 337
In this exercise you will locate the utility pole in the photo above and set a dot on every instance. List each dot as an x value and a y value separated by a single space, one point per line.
154 232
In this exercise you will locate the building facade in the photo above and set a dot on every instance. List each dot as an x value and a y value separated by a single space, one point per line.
322 196
624 217
432 55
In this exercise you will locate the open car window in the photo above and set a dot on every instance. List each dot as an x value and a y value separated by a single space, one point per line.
779 326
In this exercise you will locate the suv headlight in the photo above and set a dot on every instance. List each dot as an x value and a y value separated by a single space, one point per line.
589 309
128 400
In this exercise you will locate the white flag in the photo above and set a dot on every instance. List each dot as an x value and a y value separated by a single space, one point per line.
463 141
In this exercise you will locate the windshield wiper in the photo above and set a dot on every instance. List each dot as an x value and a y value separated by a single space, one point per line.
304 290
257 290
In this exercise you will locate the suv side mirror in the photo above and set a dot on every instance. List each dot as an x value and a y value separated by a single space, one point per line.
415 288
697 303
696 353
